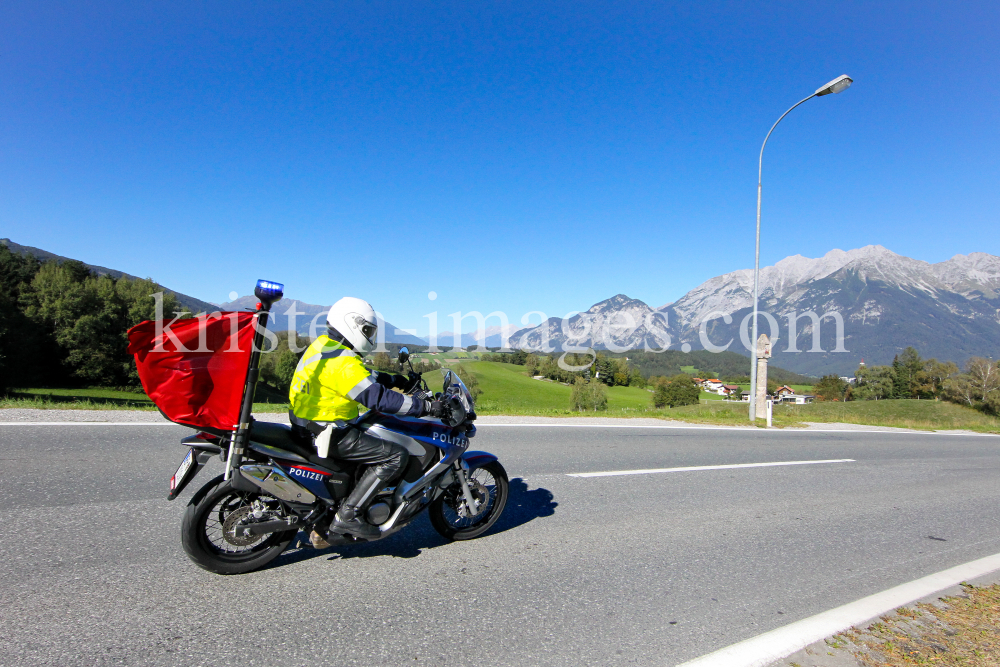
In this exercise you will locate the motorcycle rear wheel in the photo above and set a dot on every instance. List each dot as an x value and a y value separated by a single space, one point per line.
204 535
446 512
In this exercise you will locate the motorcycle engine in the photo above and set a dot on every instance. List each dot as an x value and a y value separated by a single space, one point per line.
378 514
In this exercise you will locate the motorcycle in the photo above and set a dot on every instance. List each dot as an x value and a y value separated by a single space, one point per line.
275 484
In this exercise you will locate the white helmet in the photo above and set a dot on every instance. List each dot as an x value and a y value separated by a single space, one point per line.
354 319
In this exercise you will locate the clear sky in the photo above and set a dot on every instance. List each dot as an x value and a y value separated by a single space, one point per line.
515 156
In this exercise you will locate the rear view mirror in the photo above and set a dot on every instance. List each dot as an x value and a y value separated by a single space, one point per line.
404 355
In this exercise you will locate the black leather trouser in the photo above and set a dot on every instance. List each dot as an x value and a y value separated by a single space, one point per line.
387 459
348 443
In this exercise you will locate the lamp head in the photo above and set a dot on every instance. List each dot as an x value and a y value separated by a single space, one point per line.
268 292
838 85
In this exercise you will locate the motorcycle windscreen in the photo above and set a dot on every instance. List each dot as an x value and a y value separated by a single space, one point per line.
194 370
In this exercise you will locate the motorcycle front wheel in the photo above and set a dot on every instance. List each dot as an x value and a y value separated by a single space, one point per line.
210 530
450 514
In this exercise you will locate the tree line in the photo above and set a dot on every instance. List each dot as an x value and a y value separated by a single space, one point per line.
389 363
63 325
910 376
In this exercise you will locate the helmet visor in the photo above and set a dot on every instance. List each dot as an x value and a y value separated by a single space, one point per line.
368 330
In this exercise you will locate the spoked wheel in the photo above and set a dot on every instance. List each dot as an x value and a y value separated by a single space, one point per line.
451 515
213 530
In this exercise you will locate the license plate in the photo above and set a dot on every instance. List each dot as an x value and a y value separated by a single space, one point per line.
182 470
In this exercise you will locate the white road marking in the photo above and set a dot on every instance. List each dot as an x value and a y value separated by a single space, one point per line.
695 427
686 427
88 424
770 646
650 471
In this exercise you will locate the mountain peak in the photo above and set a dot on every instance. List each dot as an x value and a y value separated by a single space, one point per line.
965 274
869 251
617 302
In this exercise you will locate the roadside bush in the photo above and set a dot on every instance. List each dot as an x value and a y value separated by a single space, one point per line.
277 364
531 364
992 403
588 395
978 387
470 380
678 390
383 362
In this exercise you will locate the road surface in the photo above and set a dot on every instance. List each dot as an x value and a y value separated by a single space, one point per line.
636 569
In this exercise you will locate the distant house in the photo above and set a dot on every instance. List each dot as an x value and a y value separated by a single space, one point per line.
730 389
713 386
797 399
784 390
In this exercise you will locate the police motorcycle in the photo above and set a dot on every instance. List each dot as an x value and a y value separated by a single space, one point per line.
275 485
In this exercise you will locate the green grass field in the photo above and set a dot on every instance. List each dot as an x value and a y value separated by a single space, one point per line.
902 413
91 398
97 398
507 390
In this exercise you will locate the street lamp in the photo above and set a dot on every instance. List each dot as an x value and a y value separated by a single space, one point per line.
838 85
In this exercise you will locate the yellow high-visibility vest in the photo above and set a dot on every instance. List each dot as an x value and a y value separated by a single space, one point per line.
326 373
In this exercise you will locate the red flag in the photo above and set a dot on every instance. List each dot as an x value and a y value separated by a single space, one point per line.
194 370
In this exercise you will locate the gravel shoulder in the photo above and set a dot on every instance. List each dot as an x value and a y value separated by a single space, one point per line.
956 626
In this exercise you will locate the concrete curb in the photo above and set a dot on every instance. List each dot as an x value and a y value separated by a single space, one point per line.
777 644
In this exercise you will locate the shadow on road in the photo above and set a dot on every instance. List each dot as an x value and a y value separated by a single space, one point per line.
523 505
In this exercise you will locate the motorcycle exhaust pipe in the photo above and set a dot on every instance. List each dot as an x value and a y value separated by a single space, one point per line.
275 482
266 527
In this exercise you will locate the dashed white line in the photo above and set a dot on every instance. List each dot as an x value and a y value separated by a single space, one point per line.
770 646
652 471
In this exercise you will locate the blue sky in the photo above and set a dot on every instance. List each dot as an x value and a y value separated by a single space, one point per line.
508 156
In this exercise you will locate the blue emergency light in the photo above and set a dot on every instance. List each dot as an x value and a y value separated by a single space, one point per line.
268 292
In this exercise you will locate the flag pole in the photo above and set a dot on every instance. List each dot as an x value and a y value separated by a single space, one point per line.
268 293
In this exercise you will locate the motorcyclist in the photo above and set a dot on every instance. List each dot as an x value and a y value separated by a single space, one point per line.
328 389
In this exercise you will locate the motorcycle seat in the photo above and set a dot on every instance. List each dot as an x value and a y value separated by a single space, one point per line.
281 436
284 437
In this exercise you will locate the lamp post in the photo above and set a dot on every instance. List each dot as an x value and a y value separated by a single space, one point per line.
838 85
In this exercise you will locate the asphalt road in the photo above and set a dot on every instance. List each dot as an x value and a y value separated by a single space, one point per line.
645 570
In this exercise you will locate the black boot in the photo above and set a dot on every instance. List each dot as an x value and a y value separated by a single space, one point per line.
348 518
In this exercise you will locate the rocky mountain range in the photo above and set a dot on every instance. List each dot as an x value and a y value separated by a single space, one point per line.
310 319
824 315
949 310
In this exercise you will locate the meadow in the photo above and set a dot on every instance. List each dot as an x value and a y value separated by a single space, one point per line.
508 390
